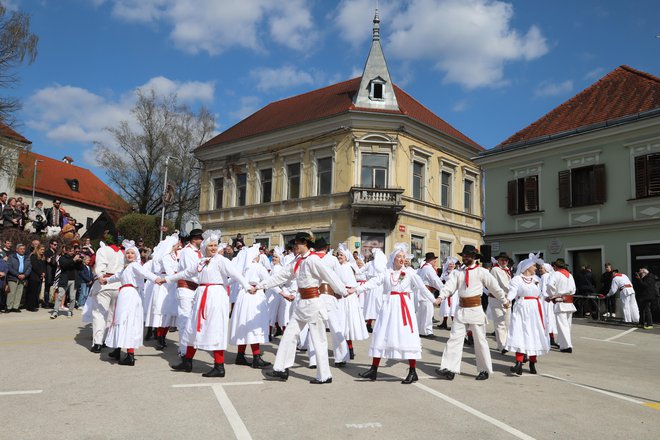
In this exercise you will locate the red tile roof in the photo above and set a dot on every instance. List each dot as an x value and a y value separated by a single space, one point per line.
622 92
8 132
325 102
52 178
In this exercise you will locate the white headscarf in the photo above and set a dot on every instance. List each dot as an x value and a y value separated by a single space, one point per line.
548 267
245 256
265 262
398 248
349 256
380 260
209 237
130 245
528 262
279 251
163 248
448 261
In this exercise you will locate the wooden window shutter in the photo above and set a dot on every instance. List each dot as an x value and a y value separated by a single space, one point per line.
600 184
531 194
653 174
512 197
565 189
641 177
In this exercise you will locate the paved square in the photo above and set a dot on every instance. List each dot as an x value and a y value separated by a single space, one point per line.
51 387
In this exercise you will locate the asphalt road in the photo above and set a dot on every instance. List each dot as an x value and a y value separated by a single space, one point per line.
52 387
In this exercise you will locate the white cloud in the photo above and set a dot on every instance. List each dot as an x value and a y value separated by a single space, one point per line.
594 74
470 41
248 105
74 116
546 88
280 78
460 105
214 26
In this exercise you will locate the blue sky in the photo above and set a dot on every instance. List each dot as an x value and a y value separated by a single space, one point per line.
487 67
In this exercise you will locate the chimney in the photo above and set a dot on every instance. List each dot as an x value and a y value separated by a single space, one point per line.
67 159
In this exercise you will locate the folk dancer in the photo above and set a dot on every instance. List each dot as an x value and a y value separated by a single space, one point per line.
309 271
374 297
562 289
496 311
188 259
527 334
163 308
448 306
396 334
622 285
425 303
280 299
469 281
355 328
109 261
546 271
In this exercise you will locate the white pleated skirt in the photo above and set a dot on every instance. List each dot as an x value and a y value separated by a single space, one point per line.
527 333
126 330
207 328
391 339
249 320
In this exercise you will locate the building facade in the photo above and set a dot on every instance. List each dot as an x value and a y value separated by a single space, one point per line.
360 162
11 144
583 182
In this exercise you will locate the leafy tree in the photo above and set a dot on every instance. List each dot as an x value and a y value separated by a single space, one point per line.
147 227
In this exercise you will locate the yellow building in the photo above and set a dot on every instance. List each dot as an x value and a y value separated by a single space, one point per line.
359 161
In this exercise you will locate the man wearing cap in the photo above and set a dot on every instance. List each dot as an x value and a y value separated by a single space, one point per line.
109 261
500 314
309 272
561 292
429 274
186 287
469 281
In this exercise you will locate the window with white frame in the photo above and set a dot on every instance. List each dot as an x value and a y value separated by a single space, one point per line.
324 176
468 195
417 246
293 180
241 189
418 180
446 179
374 170
218 192
266 181
445 249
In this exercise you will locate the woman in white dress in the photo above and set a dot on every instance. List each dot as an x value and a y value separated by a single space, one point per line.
374 297
527 334
249 319
208 327
449 305
546 271
163 307
395 335
279 298
127 325
355 328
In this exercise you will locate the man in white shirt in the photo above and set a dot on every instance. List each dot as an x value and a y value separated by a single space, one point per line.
429 274
109 261
309 271
499 313
561 292
469 281
622 284
189 257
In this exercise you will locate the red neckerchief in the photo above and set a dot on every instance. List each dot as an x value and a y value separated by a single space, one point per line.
564 272
467 274
507 270
618 275
300 259
114 247
199 253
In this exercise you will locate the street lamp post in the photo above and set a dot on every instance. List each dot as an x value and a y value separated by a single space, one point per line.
34 179
162 213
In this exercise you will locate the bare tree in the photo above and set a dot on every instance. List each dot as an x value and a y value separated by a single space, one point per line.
136 165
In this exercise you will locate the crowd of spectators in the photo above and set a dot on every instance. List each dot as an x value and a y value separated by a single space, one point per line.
15 214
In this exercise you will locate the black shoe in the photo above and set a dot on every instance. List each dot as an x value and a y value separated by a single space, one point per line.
16 310
351 354
320 382
185 365
532 367
161 344
32 310
240 359
369 328
150 334
218 370
371 373
525 359
504 351
431 336
443 326
258 362
96 348
340 364
411 377
115 354
469 340
128 360
483 375
172 330
567 350
283 375
445 373
278 332
312 367
517 368
553 343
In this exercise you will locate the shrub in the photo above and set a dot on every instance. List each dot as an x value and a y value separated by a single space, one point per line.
147 227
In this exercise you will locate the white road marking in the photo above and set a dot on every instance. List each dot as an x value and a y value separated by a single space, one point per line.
605 340
607 393
503 426
364 425
621 334
15 393
193 385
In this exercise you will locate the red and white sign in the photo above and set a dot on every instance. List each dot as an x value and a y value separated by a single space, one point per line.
402 228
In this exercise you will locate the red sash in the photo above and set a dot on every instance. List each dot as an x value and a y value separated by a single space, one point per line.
201 313
405 312
538 301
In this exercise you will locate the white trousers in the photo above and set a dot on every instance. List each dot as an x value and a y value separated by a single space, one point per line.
501 318
425 317
103 313
453 353
564 322
630 308
286 352
186 298
335 322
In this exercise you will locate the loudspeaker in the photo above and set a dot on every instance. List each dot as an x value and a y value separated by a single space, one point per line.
486 251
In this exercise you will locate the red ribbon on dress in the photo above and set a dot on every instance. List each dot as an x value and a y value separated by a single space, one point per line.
405 311
201 313
114 310
538 301
467 274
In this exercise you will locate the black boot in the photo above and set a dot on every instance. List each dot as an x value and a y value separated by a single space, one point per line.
553 343
369 328
218 370
96 348
445 373
351 353
161 344
258 362
240 359
150 334
411 377
115 354
128 360
469 340
185 365
517 368
278 331
532 367
371 373
282 375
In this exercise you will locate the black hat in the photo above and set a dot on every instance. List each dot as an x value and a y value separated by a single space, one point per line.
195 233
430 256
560 263
320 243
503 255
469 250
303 236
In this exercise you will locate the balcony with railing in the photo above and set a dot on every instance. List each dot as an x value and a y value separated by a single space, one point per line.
376 207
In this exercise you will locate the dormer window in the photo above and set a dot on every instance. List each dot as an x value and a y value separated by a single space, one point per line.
73 184
376 89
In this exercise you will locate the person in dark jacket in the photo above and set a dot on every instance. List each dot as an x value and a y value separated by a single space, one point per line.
37 277
4 270
86 277
19 271
51 269
11 216
605 286
70 263
645 292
